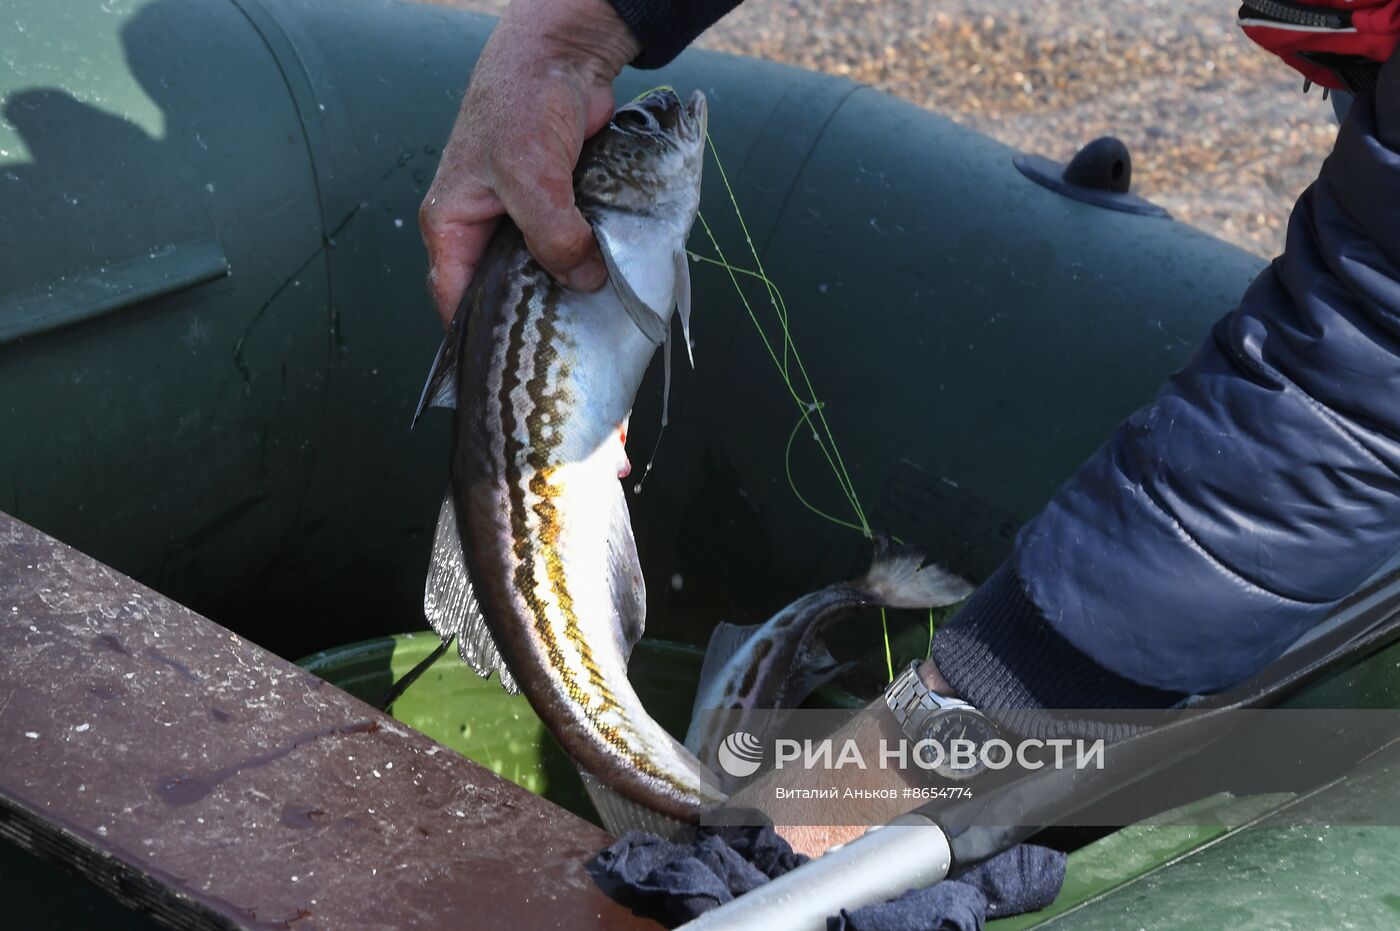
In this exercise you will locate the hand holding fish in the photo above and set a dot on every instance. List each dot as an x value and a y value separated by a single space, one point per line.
542 85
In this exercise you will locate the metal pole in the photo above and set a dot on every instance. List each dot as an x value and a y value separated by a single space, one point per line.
910 852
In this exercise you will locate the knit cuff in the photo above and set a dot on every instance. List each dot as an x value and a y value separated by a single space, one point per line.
1000 652
666 27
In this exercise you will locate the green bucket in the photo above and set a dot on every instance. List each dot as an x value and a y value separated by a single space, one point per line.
476 717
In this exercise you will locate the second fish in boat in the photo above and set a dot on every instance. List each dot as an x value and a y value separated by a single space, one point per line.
753 673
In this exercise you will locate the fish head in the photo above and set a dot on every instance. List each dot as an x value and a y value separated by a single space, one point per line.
647 160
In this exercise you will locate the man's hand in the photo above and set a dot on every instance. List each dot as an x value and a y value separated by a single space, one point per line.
542 85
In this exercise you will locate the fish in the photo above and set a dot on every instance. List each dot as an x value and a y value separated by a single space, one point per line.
534 568
751 674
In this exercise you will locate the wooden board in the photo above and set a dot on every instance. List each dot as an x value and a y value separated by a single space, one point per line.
200 778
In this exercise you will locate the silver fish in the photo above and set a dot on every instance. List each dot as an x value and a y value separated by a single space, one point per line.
753 673
534 567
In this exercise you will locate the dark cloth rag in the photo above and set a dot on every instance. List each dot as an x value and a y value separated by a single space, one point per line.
680 881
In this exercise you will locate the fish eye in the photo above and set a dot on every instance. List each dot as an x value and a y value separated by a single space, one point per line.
635 119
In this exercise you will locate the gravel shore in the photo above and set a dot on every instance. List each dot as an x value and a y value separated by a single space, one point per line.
1220 131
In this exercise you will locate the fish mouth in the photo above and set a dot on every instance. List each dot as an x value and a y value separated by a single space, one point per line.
698 112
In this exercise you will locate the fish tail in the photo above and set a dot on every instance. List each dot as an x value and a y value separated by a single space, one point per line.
898 578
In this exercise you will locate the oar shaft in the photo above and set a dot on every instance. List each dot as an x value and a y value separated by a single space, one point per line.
910 852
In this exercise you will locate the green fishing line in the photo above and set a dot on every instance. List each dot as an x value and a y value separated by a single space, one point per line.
807 406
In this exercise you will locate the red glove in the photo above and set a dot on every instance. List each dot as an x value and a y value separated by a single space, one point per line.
1336 43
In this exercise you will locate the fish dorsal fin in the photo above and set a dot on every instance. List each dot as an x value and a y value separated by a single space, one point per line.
450 603
683 301
620 815
726 640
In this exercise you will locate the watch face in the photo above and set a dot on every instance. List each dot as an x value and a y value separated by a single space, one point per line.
959 735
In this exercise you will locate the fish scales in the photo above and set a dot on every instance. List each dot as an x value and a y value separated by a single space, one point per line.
534 466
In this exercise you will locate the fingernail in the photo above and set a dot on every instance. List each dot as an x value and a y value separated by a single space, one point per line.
588 277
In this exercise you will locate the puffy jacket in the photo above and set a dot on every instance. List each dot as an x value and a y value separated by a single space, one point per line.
1232 513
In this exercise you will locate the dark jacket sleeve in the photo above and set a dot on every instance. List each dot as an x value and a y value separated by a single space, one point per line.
1259 487
666 27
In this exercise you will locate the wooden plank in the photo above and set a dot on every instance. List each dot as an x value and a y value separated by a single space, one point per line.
196 776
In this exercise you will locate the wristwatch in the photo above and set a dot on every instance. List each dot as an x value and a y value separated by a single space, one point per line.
948 733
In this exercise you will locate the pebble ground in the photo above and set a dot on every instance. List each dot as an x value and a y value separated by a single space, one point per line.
1220 131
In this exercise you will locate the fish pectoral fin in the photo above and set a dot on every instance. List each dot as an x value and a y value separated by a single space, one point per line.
683 301
441 388
626 584
725 640
683 306
450 604
487 287
650 320
620 815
